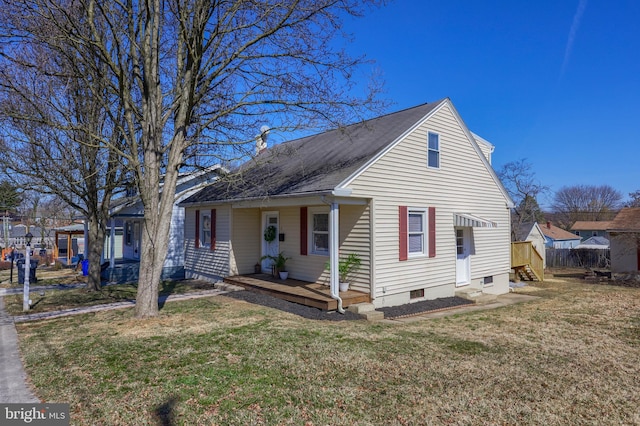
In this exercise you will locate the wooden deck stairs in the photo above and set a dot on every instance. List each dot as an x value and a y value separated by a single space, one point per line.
526 262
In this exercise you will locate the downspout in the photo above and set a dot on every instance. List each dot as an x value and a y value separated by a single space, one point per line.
85 252
334 241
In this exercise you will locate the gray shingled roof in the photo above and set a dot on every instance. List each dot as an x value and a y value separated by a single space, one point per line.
313 164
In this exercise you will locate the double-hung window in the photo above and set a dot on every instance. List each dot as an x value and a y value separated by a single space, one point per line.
205 230
320 233
433 152
416 232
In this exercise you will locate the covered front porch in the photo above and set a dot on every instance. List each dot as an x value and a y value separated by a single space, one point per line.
303 292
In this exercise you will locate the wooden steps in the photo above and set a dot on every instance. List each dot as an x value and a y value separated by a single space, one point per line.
297 291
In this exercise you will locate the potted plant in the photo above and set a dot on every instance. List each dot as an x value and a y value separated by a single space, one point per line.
279 265
346 267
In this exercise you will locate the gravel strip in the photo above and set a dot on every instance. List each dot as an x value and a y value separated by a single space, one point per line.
319 314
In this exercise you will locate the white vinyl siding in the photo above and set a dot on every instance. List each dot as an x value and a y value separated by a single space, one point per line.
175 249
247 238
207 264
462 184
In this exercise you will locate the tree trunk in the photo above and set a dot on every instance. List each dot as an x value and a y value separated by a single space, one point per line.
154 245
95 245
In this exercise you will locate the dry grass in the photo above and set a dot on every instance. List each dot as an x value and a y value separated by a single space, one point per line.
567 358
47 275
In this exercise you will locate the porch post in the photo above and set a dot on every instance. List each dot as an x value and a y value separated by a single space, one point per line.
334 242
112 242
85 252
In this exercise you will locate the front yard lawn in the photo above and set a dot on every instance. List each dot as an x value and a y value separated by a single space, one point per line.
570 357
55 300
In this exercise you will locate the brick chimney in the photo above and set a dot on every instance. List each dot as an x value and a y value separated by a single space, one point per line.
548 224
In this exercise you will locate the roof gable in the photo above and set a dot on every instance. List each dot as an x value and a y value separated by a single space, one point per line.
321 163
523 231
627 220
555 233
316 163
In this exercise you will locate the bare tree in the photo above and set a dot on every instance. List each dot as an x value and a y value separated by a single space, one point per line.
195 79
519 180
634 199
59 138
585 202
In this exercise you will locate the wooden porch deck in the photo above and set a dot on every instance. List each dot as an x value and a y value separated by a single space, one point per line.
302 292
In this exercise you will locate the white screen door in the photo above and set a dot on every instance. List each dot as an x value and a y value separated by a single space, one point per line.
463 270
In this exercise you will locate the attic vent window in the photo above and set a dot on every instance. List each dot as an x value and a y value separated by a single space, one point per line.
433 155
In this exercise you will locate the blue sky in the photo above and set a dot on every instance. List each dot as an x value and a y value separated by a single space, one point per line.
555 82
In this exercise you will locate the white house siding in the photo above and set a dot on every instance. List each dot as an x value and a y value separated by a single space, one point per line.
203 263
485 146
624 252
245 251
462 184
538 242
175 250
355 237
247 240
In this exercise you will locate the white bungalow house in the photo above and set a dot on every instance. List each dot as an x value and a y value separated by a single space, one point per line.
412 192
122 248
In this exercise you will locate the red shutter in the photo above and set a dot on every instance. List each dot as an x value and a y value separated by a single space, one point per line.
303 231
403 232
197 240
213 229
432 231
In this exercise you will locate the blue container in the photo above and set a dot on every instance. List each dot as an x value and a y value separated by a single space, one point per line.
85 267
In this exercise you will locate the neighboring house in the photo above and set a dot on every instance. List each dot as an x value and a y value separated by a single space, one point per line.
15 236
70 243
558 238
531 232
625 241
412 192
589 228
124 233
594 243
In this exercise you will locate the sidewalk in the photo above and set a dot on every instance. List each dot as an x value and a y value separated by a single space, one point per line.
13 387
112 306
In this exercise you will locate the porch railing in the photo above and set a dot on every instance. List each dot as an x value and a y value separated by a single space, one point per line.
526 261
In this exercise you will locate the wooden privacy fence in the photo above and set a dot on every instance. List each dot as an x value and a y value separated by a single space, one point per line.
578 258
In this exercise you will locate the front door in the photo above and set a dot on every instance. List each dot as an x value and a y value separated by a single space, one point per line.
271 245
463 263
